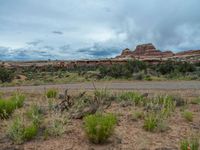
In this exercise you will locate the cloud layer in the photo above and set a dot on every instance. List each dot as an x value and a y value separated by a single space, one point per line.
66 29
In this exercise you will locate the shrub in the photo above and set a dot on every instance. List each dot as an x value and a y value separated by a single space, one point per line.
188 116
56 128
8 106
19 99
55 125
99 127
137 98
189 144
6 75
150 122
19 133
196 101
51 93
137 115
35 114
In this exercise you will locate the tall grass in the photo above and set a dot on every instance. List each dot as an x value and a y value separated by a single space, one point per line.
99 127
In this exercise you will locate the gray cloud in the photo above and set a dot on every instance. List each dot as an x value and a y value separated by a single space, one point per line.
113 24
57 32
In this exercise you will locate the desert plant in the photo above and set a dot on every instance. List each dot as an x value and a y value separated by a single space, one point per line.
135 97
150 122
196 101
6 75
188 116
35 114
99 127
137 115
190 144
19 132
52 93
55 129
7 106
18 99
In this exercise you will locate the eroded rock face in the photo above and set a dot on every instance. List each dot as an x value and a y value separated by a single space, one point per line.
145 50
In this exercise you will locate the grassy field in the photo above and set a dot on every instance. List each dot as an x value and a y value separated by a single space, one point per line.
100 119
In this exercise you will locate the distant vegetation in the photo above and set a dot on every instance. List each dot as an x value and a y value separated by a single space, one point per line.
132 70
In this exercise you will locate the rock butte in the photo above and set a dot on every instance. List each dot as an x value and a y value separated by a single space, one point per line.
145 52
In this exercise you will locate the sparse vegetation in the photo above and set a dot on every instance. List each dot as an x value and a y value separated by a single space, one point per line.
188 116
150 122
19 132
190 144
7 106
99 127
52 93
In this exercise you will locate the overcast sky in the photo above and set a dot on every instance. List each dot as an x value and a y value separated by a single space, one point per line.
77 29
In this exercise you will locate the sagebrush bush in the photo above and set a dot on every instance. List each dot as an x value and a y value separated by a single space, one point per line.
99 127
52 93
135 97
56 128
188 116
7 106
190 144
19 132
35 114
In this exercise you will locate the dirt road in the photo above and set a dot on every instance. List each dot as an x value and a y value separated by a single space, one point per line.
143 85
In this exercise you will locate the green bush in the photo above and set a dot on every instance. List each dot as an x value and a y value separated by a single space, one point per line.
190 144
52 93
6 75
19 133
188 116
9 105
99 127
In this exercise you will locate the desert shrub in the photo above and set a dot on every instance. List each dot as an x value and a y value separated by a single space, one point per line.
19 99
6 75
6 108
103 95
9 105
189 144
188 116
19 132
137 115
35 114
196 101
99 127
135 97
55 129
52 93
150 122
55 125
122 70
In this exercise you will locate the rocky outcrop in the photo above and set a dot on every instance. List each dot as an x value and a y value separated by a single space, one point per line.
149 51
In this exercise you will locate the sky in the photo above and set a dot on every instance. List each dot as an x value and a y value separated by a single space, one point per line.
89 29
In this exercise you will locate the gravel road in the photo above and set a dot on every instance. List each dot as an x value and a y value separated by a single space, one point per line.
137 85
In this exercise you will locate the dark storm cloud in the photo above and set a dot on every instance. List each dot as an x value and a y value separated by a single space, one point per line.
115 24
